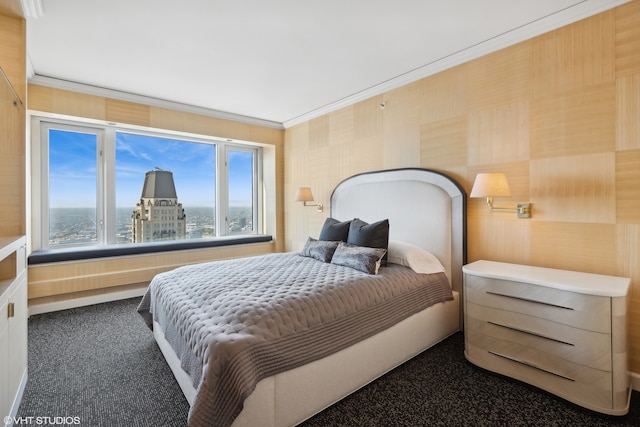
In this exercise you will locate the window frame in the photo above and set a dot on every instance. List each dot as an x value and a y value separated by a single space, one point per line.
256 195
106 177
44 180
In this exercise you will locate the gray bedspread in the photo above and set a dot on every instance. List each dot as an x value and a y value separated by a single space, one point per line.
235 322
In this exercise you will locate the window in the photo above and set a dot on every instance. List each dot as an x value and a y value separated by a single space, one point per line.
169 183
72 203
101 185
240 209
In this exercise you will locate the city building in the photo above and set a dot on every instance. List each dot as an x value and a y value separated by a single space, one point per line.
158 216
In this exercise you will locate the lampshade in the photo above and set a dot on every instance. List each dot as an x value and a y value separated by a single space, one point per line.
492 184
304 195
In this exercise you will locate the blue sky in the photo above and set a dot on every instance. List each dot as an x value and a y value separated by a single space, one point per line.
72 169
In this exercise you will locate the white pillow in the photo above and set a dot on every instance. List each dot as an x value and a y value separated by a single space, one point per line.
414 257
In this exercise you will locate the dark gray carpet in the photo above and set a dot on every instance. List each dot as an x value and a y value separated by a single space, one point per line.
101 364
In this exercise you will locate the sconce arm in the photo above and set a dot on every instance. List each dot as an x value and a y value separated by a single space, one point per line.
319 206
523 210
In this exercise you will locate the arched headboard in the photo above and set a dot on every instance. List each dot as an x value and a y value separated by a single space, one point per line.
424 207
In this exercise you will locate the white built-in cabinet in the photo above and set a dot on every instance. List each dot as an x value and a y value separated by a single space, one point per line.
561 331
13 324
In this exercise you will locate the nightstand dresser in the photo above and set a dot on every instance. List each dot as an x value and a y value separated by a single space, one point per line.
561 331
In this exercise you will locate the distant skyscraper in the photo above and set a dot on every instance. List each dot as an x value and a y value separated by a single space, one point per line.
158 216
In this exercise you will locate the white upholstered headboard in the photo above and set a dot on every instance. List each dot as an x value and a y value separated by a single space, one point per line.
424 207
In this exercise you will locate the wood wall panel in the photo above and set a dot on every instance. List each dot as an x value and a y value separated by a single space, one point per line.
266 135
499 134
575 188
369 154
47 280
127 112
77 104
499 78
576 122
12 169
299 134
628 240
575 56
628 187
628 253
40 98
402 107
317 164
444 143
559 114
628 111
12 127
368 118
11 8
341 126
443 96
574 246
58 101
163 118
401 146
633 330
627 38
319 132
13 53
401 127
491 236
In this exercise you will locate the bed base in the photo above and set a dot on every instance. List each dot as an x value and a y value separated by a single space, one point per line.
289 398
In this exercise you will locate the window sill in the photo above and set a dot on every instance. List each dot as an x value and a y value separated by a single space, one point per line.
77 254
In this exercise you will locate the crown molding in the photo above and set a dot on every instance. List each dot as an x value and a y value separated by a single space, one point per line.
52 82
32 8
581 10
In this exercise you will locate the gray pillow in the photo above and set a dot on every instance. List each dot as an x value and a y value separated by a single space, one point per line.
358 257
374 235
321 250
334 230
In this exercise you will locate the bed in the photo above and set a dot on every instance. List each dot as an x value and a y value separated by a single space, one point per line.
235 373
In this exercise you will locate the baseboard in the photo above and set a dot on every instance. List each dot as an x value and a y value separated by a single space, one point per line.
635 381
13 413
84 301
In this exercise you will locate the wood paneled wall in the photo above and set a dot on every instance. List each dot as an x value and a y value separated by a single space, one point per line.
52 283
76 104
12 127
559 114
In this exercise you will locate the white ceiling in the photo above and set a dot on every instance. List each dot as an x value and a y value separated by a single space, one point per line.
273 62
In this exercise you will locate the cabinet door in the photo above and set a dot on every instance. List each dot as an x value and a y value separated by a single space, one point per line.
5 394
18 333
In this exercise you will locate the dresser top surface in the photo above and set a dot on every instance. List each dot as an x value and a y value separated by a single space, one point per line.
574 281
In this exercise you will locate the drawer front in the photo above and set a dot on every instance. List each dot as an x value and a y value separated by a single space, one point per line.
584 386
588 312
587 348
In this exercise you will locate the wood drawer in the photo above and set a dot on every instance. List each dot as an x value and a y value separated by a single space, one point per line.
584 386
587 348
590 312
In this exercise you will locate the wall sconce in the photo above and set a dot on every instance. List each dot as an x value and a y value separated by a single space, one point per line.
304 195
494 184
